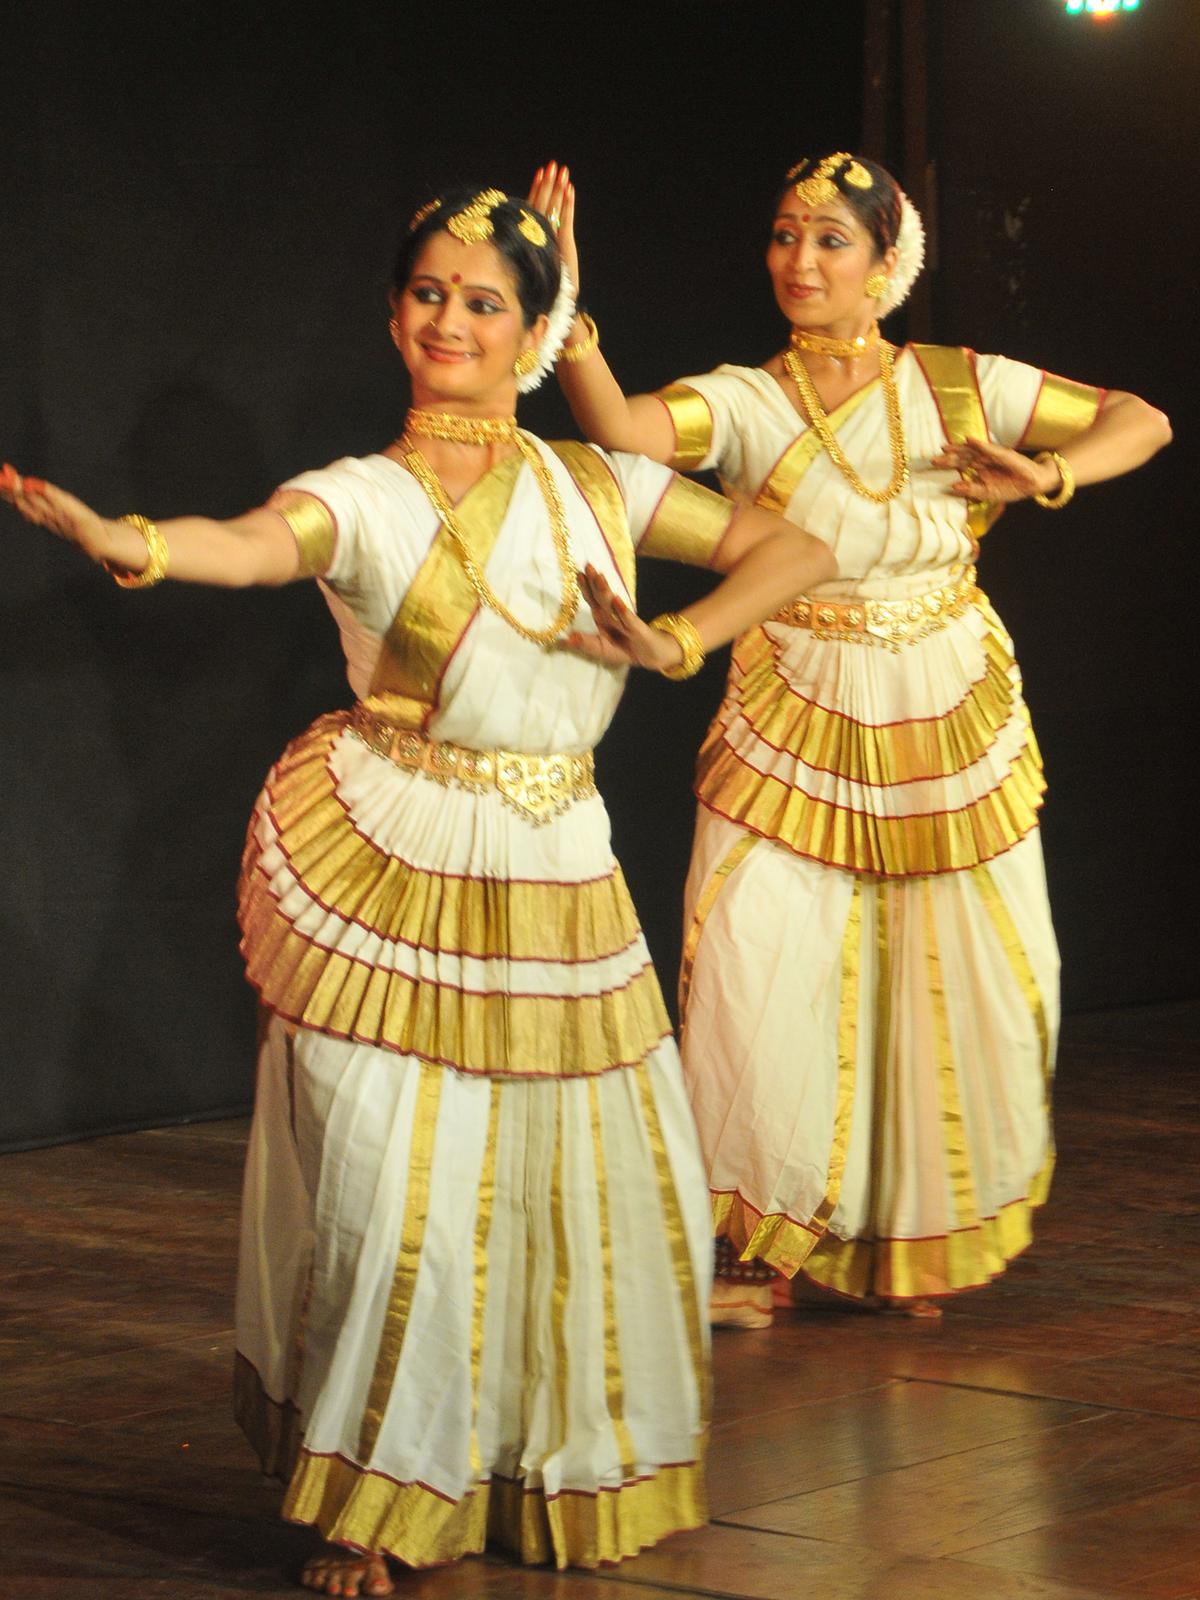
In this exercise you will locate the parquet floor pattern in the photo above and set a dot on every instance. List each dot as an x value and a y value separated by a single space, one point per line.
1042 1442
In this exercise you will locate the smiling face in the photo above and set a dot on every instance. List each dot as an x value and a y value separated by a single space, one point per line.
820 258
460 328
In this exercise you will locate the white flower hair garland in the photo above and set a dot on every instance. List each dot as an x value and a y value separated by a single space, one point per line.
910 257
562 315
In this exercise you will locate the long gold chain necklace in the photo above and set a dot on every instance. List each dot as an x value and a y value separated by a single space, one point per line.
432 485
817 417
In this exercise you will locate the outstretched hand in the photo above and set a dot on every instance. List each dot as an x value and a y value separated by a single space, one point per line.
553 194
621 639
49 507
989 471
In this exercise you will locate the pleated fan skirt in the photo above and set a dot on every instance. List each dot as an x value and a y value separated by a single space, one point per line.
871 972
471 1310
475 1239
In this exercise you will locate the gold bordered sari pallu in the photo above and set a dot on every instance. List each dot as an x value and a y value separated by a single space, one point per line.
950 373
438 608
595 482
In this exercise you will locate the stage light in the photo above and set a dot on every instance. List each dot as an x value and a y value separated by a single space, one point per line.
1101 8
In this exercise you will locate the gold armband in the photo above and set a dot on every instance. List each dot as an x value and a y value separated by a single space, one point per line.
1066 487
155 569
688 640
313 529
580 352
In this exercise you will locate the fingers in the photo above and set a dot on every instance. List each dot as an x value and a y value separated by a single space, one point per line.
970 453
538 190
612 616
14 487
29 496
549 192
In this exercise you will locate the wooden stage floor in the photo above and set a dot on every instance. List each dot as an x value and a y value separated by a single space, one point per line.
1042 1442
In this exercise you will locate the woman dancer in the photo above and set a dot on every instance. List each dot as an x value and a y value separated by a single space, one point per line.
870 976
474 1249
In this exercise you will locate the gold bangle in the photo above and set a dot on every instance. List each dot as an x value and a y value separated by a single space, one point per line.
155 569
580 352
688 640
1066 486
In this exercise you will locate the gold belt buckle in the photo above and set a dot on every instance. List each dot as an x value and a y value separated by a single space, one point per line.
541 787
536 787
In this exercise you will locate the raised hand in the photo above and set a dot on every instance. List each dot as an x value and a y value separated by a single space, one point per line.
622 639
49 507
990 472
553 193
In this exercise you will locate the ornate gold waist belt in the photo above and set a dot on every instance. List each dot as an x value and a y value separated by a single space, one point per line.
890 623
538 787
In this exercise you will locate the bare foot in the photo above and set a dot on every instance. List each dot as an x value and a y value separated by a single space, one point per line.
336 1570
923 1310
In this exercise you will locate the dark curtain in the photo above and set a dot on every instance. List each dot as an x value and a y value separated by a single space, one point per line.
200 206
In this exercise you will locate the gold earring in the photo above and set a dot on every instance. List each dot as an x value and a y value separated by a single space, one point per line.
876 284
394 330
525 363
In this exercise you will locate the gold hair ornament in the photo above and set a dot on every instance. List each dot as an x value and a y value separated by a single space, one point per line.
820 424
858 177
819 189
570 353
484 593
530 228
422 212
821 344
473 224
157 554
685 636
1066 487
459 429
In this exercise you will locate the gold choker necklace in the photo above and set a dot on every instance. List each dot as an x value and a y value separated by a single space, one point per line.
821 344
461 430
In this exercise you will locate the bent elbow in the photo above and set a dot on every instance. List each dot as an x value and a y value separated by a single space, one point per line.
822 559
1156 425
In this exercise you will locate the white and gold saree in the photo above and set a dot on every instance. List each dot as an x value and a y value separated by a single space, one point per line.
475 1239
870 972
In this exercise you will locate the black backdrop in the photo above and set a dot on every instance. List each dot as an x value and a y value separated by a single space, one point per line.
199 208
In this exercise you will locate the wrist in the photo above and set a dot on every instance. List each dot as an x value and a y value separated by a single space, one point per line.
669 653
138 562
1062 485
581 341
107 540
684 638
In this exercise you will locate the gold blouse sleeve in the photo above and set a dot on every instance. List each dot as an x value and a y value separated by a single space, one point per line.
313 527
688 525
1062 409
693 425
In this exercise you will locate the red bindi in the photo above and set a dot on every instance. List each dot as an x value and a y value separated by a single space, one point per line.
456 277
806 217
